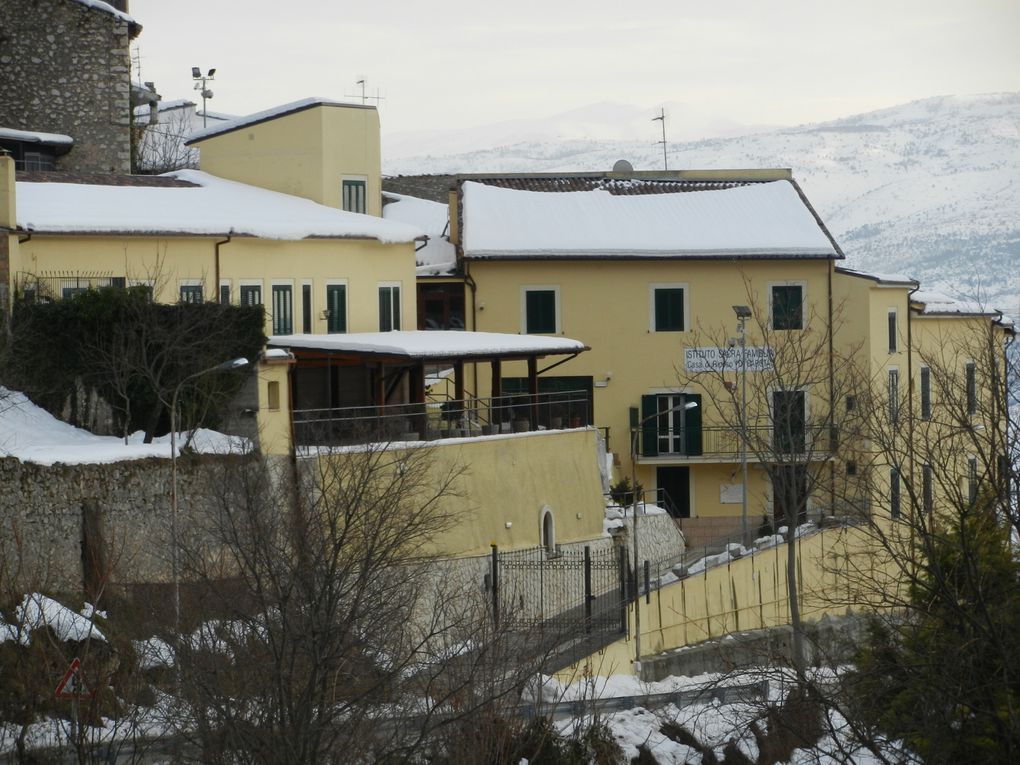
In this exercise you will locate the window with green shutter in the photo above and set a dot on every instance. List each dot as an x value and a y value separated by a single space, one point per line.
336 307
389 308
283 309
191 293
787 306
251 294
669 309
354 195
540 312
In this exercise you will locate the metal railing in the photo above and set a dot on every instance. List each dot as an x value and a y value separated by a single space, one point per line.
63 286
725 441
515 413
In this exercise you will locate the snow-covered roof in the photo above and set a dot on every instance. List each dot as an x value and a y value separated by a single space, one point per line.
939 304
99 5
438 256
899 280
211 207
182 103
446 345
33 136
269 114
759 219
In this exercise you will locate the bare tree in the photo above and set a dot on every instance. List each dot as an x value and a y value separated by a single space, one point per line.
340 636
161 146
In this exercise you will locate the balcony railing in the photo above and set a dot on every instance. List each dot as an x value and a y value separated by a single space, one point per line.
720 441
64 286
517 413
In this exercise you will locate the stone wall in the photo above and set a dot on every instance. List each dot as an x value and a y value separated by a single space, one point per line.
62 521
66 69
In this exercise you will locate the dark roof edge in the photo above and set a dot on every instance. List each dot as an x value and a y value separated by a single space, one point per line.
274 116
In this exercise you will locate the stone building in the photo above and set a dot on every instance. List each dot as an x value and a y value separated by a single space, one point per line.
65 84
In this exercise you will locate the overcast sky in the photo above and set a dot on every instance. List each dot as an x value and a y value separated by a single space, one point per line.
462 63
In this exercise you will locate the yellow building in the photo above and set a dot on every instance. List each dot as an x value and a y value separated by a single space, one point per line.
646 271
322 150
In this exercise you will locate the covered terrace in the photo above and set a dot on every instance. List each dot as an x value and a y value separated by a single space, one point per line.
414 386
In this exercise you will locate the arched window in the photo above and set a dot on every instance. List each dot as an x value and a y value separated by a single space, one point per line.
548 531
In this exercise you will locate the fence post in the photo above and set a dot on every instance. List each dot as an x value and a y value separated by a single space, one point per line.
588 597
648 583
495 585
623 589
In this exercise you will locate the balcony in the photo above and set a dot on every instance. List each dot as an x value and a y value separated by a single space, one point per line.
722 443
431 420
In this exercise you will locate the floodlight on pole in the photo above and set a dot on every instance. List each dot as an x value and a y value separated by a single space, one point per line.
200 85
635 431
743 313
225 366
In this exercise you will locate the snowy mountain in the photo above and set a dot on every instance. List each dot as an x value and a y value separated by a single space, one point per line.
931 188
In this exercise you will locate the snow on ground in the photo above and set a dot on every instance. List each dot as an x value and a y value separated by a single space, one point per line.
37 611
32 434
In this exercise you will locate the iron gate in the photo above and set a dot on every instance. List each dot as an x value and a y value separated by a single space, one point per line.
570 593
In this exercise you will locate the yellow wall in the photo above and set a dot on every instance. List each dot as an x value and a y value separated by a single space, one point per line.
751 593
361 263
274 406
608 306
510 480
306 153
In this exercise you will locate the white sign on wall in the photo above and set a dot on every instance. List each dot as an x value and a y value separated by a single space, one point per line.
731 493
727 359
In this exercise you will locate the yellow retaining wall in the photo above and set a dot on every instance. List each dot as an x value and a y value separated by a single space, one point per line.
749 594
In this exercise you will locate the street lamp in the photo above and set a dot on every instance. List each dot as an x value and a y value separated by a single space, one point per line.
635 430
226 366
743 314
200 84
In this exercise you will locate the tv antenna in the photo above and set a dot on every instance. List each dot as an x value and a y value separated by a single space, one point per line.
662 118
363 96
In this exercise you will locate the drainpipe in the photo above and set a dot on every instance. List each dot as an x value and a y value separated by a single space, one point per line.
470 282
832 403
216 285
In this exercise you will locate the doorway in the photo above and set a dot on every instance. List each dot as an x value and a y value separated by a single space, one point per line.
674 484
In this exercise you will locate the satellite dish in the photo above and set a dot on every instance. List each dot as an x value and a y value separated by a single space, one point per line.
623 166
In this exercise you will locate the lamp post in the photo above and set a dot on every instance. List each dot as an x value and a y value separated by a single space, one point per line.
223 367
743 314
635 431
200 84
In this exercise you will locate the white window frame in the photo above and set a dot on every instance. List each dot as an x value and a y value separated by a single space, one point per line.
803 303
379 286
555 288
651 305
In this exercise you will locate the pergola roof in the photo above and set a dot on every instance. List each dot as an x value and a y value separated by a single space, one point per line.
432 345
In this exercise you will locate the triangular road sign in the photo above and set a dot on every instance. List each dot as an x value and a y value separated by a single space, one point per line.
72 684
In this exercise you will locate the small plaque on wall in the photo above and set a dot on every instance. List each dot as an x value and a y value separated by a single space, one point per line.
731 493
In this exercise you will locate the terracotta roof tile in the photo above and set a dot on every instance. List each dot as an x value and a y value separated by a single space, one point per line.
101 179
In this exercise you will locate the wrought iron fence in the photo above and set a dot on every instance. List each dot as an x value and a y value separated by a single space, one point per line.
516 413
63 286
725 441
571 593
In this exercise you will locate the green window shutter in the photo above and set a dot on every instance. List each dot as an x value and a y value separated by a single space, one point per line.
251 294
650 428
787 307
692 426
336 304
283 309
669 309
540 308
225 294
395 294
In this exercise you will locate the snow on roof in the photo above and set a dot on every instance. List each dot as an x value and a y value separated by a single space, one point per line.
212 207
940 304
37 611
898 279
33 136
268 114
438 256
32 434
761 219
182 103
447 344
99 5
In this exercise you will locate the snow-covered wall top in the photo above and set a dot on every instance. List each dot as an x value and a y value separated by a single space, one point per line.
439 255
212 207
268 114
759 219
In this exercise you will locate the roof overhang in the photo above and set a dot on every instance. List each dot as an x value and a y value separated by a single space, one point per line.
428 346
